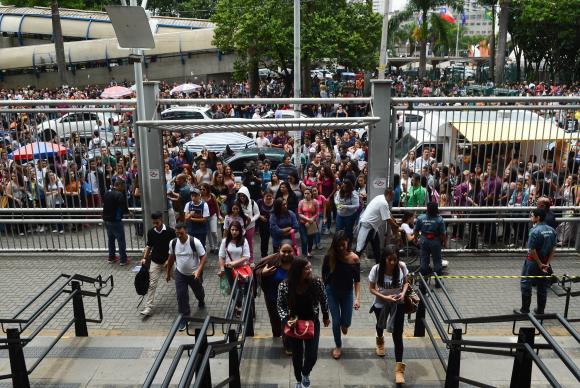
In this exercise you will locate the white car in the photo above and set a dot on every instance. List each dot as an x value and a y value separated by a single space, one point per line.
83 123
187 113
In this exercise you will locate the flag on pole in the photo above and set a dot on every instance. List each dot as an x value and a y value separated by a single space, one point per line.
488 14
463 19
446 15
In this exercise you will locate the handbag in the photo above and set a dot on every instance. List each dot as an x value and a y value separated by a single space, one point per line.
411 301
244 271
302 329
311 229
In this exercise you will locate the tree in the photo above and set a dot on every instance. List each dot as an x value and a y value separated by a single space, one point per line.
261 34
502 40
423 7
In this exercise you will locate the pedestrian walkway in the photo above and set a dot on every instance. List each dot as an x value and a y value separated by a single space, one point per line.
123 362
25 275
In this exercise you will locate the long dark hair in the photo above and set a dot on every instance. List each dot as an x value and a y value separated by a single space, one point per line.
241 212
291 193
239 241
295 280
388 251
333 252
346 188
279 207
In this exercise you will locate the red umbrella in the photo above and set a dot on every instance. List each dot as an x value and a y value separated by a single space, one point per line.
38 150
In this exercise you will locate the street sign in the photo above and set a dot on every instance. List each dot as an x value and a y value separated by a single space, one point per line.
131 26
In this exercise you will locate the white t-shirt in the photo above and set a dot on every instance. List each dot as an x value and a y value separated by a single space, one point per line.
205 209
186 260
385 286
407 228
262 142
377 212
203 178
235 252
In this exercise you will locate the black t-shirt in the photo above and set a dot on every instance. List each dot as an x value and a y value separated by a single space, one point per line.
114 206
342 280
159 244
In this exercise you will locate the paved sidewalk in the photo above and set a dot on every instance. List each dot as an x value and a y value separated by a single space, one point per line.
26 274
123 362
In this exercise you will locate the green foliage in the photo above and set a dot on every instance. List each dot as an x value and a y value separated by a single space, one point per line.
548 31
73 4
262 30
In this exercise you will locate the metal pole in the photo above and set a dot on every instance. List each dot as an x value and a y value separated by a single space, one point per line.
234 361
383 57
17 361
379 139
457 41
297 84
79 311
454 361
522 369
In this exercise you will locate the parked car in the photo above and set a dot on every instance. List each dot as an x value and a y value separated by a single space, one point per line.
187 113
248 158
83 123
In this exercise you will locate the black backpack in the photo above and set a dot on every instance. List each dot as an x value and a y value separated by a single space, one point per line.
142 281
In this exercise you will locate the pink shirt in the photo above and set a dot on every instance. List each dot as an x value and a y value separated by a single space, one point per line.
308 211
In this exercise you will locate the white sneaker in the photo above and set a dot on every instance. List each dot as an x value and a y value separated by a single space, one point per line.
41 229
444 263
61 231
146 311
54 231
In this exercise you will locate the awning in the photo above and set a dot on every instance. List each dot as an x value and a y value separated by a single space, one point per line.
506 131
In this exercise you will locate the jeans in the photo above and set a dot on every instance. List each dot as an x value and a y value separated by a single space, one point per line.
397 330
306 241
366 233
346 223
264 229
115 231
201 236
341 311
430 248
275 321
156 271
531 268
305 353
182 285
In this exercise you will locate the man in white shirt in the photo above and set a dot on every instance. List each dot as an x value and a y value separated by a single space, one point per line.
262 141
372 222
189 257
424 161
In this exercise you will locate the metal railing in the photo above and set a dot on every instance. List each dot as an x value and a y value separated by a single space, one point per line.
525 352
15 342
197 371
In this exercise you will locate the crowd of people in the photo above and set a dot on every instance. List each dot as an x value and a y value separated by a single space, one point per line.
290 204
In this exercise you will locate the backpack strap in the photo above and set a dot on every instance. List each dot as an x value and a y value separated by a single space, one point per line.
191 244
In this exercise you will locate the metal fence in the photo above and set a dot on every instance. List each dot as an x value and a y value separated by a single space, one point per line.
529 144
51 196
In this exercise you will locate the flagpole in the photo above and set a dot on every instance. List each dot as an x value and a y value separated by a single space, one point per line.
457 41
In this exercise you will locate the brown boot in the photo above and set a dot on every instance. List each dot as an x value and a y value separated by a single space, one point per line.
380 349
399 373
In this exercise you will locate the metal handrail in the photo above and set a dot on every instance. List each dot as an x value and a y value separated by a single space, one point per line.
202 349
15 343
459 344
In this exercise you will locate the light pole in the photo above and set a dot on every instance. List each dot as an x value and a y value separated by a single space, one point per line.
383 57
297 85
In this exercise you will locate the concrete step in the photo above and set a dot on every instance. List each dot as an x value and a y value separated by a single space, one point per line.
124 361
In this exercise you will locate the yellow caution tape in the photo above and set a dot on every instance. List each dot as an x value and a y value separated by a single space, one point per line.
501 277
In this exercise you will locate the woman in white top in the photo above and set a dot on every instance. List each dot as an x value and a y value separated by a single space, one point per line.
251 210
203 174
388 283
53 190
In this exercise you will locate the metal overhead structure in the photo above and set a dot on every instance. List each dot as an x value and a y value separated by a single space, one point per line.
377 126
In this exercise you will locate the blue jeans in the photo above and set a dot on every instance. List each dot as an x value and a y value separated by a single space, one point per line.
430 248
531 268
341 311
115 231
305 240
346 223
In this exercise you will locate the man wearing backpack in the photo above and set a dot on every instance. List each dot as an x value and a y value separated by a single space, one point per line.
188 255
197 216
156 252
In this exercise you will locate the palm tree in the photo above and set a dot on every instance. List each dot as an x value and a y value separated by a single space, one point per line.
58 42
502 40
423 7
